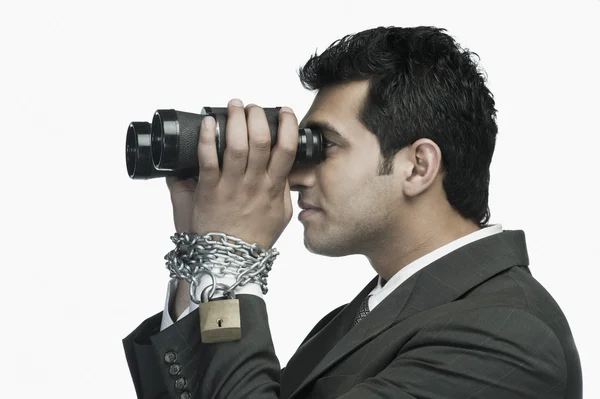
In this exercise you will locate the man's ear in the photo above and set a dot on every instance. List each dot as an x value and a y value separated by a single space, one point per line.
423 163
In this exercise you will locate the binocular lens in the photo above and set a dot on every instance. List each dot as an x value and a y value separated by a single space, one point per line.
137 149
165 139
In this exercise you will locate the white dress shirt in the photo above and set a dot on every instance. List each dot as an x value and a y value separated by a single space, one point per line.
378 294
205 281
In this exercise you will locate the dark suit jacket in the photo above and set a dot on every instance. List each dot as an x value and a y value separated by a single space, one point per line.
473 324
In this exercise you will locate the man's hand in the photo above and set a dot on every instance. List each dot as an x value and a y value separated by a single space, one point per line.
182 198
250 198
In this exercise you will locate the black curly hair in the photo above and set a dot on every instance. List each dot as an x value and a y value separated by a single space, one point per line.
422 84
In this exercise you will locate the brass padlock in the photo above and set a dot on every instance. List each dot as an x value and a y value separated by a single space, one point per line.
219 319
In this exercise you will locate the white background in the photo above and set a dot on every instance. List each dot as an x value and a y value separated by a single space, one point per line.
83 245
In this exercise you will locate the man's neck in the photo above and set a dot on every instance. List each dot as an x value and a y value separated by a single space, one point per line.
400 250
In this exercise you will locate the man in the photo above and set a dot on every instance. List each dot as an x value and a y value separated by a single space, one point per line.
454 311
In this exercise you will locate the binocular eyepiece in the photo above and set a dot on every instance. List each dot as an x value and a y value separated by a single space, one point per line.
169 145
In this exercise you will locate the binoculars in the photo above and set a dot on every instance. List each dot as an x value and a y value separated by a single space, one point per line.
169 145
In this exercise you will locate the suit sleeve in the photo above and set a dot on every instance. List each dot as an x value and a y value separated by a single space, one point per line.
174 363
491 353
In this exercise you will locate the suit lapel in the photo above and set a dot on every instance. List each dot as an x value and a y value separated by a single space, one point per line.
372 325
311 352
450 277
441 282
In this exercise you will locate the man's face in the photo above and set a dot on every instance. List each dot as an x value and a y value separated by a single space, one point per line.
356 205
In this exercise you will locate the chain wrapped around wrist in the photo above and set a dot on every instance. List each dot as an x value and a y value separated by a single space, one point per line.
217 255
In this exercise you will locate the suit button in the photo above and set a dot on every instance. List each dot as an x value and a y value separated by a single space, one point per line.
170 357
175 369
185 395
180 383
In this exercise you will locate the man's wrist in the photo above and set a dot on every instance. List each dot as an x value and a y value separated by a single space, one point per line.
182 302
182 299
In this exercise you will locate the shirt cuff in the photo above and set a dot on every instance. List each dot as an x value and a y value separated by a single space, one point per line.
205 281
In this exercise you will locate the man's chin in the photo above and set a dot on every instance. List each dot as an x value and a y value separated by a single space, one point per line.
321 247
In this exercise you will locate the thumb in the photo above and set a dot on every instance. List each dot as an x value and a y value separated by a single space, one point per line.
178 185
182 200
287 201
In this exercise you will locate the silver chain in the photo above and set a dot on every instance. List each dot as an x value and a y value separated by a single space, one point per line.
196 255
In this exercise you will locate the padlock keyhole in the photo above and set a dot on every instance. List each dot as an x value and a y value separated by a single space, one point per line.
219 322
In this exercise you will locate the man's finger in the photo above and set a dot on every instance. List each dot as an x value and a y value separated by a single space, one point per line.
283 154
236 139
259 142
208 161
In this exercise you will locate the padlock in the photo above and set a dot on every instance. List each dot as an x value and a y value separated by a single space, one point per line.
219 319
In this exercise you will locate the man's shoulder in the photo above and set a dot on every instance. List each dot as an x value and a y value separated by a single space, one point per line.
515 287
512 301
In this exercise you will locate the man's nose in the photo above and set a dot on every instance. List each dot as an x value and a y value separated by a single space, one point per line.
301 176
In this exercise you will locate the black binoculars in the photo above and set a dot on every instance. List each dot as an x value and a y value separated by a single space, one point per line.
169 145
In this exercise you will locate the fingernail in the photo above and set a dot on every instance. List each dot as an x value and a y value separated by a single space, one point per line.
236 102
208 122
286 109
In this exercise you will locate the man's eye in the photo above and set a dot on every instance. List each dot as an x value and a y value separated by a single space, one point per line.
328 144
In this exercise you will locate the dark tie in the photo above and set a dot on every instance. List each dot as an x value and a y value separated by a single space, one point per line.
363 311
